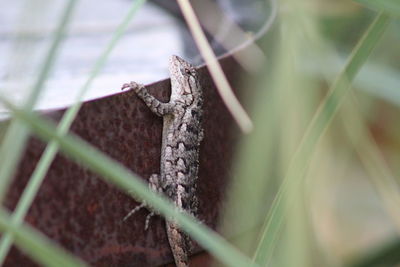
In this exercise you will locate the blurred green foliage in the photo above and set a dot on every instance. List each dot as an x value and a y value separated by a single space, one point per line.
316 183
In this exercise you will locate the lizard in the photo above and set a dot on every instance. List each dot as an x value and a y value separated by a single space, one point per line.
181 137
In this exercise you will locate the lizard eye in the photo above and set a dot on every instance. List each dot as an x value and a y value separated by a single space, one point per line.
188 71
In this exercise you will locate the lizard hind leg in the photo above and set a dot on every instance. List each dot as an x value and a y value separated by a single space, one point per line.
155 186
143 205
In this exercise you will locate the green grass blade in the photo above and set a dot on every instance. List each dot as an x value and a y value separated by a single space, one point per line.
389 6
17 134
317 127
376 79
375 164
10 152
218 76
37 246
38 175
122 178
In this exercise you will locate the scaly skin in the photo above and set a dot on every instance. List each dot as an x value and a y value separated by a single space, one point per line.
182 134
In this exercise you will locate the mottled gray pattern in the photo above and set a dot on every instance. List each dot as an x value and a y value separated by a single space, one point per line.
182 134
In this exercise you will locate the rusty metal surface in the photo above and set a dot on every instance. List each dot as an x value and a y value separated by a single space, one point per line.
83 214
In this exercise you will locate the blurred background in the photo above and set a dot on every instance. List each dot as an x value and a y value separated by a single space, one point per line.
316 182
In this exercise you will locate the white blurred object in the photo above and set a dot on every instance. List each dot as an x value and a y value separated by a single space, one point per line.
141 55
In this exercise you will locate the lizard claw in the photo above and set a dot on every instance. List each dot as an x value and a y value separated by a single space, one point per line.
126 85
143 205
147 223
132 86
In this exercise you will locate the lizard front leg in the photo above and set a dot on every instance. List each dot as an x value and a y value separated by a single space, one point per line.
157 107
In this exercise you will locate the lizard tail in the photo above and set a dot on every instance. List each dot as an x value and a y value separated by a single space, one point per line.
179 246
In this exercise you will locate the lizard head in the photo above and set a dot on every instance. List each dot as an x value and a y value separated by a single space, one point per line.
184 81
